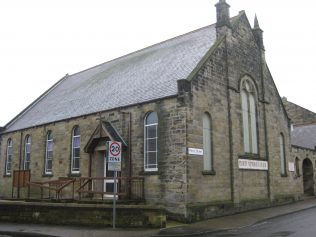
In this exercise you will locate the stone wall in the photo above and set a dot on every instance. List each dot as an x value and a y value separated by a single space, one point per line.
216 90
82 214
167 186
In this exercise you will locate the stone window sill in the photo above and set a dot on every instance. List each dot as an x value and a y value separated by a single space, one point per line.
145 173
209 172
250 156
48 175
74 175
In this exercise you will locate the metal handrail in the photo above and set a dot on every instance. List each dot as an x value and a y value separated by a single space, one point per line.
124 185
53 185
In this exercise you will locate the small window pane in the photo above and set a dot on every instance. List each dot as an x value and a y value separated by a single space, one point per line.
49 165
49 154
77 131
152 131
152 157
152 118
151 145
49 145
76 141
76 163
76 152
109 187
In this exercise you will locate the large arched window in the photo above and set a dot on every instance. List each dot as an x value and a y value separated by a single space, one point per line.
49 153
75 156
249 116
151 142
282 154
8 163
27 153
207 143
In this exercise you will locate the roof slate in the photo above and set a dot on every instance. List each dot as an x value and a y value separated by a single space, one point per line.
304 136
142 76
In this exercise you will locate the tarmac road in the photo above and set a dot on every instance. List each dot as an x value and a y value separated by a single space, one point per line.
22 234
298 224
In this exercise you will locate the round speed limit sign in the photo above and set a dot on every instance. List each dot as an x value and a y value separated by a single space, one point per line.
115 149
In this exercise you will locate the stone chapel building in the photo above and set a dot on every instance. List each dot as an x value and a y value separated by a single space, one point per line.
199 117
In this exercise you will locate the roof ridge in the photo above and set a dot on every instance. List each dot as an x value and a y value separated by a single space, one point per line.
141 50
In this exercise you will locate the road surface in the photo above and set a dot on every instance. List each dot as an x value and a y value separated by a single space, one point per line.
298 224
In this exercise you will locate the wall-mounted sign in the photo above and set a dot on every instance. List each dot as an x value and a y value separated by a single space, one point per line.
291 167
252 164
195 151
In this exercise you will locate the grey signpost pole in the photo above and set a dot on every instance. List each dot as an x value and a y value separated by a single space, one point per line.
114 164
114 200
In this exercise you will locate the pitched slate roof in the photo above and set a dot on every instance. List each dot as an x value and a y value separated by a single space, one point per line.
304 136
142 76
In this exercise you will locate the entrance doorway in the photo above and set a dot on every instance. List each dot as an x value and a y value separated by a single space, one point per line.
308 177
106 185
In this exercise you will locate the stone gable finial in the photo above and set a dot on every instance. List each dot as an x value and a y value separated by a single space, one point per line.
256 23
258 33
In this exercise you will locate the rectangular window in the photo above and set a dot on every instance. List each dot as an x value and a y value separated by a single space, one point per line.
27 156
151 147
245 120
151 142
75 168
207 145
49 157
8 165
282 155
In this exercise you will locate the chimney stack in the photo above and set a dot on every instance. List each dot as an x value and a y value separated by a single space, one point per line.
223 17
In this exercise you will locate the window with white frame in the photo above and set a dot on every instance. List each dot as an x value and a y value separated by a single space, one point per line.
49 153
207 143
151 142
282 154
8 163
249 116
27 153
75 156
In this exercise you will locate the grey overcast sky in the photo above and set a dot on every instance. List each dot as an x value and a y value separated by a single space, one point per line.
41 41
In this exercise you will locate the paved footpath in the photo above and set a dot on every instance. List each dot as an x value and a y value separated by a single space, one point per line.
195 229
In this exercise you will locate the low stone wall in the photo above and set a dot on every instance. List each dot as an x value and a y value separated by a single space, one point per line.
203 211
81 214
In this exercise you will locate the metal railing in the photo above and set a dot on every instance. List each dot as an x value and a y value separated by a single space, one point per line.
53 185
102 187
